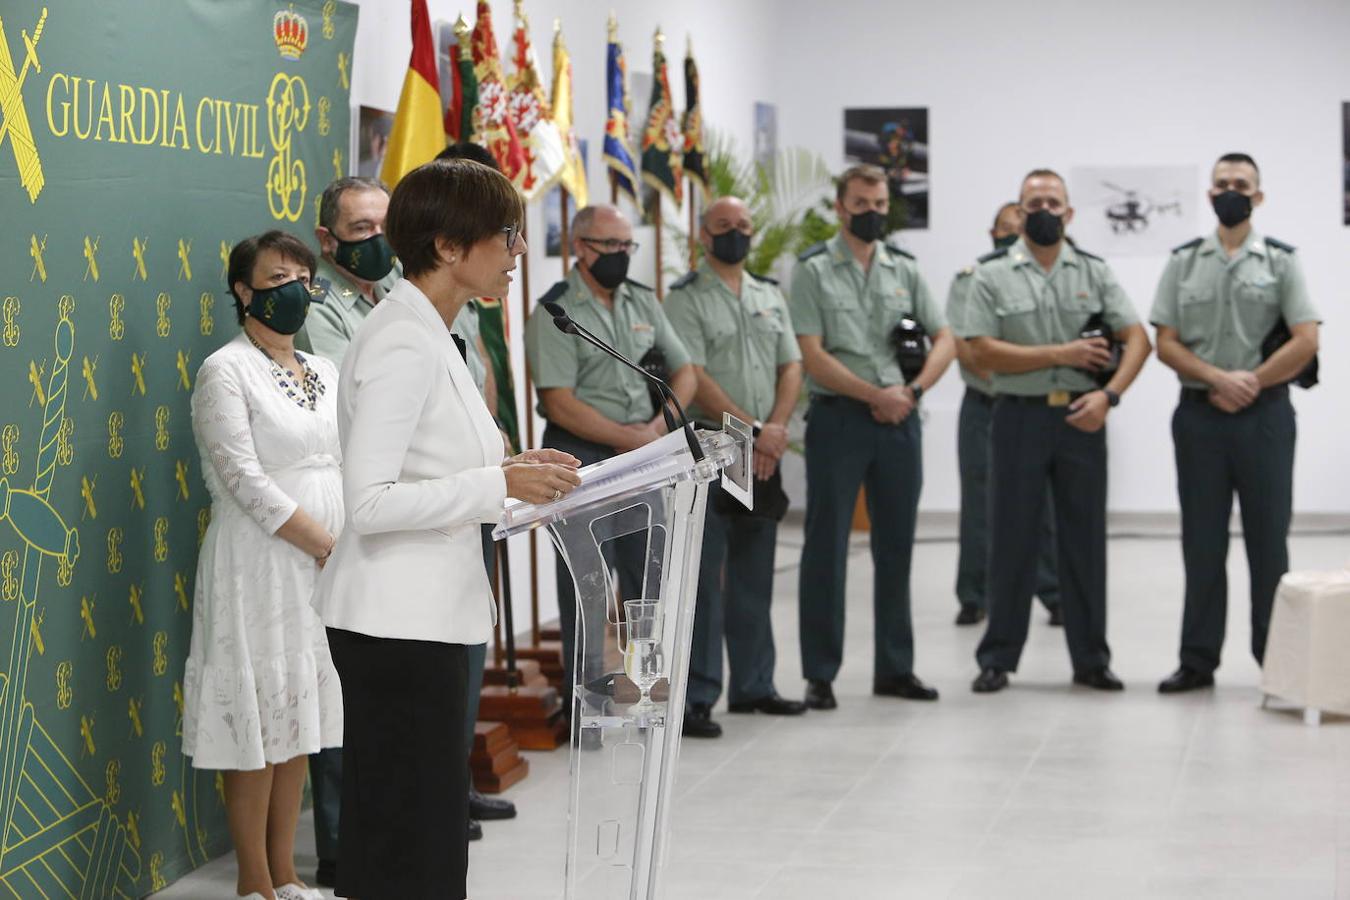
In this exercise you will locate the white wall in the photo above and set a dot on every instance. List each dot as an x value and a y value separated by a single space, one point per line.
1012 86
1009 87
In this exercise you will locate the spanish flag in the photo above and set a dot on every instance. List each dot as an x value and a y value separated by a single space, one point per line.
574 169
419 132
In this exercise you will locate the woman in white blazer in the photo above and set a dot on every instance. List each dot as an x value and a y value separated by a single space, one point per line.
405 590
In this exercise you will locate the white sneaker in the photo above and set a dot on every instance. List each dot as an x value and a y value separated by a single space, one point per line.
296 892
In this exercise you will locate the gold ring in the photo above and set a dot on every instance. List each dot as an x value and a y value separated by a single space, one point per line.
557 495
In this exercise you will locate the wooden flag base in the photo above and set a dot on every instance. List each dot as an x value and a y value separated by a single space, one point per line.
534 715
550 633
496 761
528 674
549 655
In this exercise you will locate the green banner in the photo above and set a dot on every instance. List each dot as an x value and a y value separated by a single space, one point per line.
138 143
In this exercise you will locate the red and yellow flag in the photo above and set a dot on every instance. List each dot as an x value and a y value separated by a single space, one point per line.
498 131
418 133
532 115
574 169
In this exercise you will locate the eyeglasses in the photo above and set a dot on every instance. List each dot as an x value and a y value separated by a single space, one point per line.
512 232
613 245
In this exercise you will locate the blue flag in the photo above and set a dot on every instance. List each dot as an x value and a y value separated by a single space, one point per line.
618 156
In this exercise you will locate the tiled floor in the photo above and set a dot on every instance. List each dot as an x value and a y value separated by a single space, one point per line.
1043 791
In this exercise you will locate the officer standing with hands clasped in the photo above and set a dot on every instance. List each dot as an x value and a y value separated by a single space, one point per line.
1030 305
1235 322
859 306
972 454
597 407
735 325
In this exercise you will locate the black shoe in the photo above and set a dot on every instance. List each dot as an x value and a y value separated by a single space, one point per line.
908 687
770 704
326 876
990 681
1102 679
819 695
1186 679
698 722
970 614
475 830
1056 617
486 809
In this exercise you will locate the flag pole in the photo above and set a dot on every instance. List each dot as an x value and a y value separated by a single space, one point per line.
529 443
693 227
656 220
563 237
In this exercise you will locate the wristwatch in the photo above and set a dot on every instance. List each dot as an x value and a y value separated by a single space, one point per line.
1111 397
917 389
756 427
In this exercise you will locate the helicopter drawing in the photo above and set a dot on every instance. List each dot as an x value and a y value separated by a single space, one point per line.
1130 213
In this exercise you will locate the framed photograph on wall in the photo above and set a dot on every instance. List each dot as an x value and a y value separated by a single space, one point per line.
553 209
1345 161
766 133
896 139
372 137
1133 210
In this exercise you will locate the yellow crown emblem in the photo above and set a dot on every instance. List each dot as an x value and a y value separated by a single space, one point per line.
291 32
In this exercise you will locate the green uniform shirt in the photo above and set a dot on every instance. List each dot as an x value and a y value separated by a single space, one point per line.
854 311
958 302
1222 308
1013 299
634 326
739 341
333 320
466 326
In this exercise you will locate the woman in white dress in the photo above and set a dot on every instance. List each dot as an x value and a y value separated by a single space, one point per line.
260 690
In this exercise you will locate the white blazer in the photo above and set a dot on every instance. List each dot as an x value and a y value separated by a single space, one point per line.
421 471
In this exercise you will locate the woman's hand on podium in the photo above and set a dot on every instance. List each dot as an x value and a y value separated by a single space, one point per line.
546 455
540 482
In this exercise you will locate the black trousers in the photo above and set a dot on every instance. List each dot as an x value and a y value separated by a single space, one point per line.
405 768
1031 444
627 555
1250 452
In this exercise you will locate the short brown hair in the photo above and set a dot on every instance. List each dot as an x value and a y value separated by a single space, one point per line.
864 172
332 196
245 255
459 200
1043 173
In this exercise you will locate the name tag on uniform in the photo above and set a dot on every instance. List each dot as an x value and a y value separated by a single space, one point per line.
642 327
1082 295
900 292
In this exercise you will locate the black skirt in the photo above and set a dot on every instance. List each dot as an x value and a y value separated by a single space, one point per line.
405 786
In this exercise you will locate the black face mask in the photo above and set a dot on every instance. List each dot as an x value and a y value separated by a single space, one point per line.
1044 228
731 246
867 226
1232 208
610 269
1006 241
369 260
282 308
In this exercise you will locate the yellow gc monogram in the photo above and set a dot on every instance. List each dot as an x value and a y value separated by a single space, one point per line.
16 126
208 323
116 327
162 304
161 428
287 111
10 334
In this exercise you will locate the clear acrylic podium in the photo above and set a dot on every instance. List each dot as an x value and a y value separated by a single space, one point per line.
632 650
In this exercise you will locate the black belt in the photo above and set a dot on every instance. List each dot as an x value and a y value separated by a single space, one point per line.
980 396
1201 395
839 400
1054 398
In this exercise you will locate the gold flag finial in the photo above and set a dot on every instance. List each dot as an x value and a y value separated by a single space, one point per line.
613 28
519 7
659 40
462 28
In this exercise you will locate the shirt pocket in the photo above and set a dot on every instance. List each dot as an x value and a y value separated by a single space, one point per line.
1019 321
643 338
1196 313
1256 305
844 324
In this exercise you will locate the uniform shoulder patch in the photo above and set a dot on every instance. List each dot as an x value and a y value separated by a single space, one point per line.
1081 252
319 288
1280 245
764 278
1189 245
966 272
636 284
554 293
993 255
685 279
898 251
813 250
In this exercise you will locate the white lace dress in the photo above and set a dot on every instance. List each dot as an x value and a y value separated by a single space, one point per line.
260 686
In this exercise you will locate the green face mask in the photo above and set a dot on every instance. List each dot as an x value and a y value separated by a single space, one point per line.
1006 241
369 260
282 308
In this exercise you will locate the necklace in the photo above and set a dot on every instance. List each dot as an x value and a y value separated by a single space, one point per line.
305 391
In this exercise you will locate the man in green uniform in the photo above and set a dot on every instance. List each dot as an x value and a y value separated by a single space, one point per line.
596 406
851 298
356 265
1030 304
972 455
1219 298
735 325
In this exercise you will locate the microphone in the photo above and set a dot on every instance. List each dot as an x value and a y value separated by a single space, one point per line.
566 325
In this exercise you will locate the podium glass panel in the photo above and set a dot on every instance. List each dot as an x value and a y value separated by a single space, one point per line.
632 652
